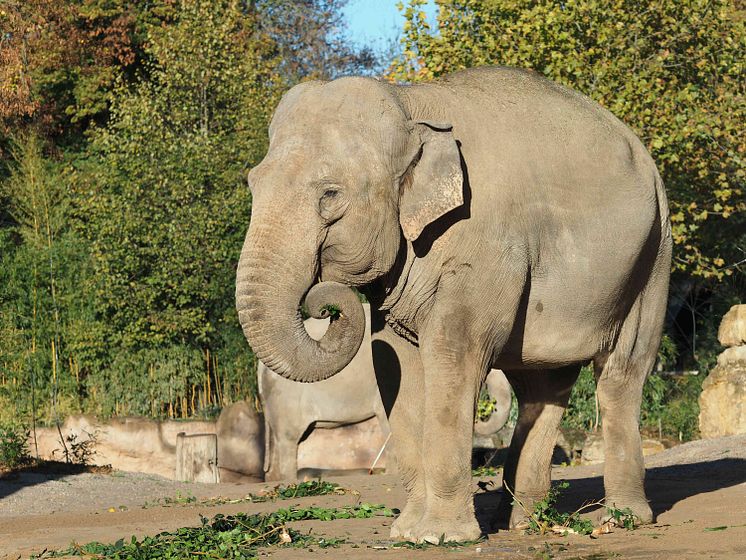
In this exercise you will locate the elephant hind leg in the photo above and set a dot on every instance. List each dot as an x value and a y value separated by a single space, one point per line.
542 399
620 378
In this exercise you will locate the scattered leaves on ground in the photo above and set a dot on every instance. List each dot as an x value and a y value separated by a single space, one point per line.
228 536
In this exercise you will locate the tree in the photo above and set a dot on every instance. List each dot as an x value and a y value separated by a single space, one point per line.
135 123
61 59
308 35
46 315
673 71
167 202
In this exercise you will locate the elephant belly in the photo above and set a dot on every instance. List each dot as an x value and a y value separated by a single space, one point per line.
551 348
558 328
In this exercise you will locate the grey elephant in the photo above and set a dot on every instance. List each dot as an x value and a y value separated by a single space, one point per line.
291 408
493 219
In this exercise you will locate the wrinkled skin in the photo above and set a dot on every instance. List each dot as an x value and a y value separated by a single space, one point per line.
494 219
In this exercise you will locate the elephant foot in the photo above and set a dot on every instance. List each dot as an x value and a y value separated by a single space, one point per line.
403 525
434 531
639 507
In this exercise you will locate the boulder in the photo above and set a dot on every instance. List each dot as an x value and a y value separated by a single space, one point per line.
732 357
722 403
732 331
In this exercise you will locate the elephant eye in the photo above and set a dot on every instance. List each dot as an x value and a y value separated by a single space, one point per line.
329 195
331 204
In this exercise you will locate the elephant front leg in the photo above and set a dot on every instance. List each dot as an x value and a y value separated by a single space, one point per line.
400 380
453 372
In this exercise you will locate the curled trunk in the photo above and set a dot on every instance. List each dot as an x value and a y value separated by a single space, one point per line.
269 289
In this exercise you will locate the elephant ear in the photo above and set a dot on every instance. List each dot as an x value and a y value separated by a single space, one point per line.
434 182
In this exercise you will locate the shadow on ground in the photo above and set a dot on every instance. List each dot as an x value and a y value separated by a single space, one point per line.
41 472
665 487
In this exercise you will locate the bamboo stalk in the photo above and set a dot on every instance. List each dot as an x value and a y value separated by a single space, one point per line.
218 383
54 364
209 391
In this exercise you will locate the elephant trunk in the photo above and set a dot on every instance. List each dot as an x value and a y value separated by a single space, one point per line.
269 288
498 389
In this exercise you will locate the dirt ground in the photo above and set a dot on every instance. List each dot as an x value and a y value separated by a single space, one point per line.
694 488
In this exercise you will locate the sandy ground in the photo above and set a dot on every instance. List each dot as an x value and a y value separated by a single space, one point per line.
693 488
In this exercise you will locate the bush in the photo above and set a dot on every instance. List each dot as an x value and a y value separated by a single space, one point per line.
13 447
581 410
670 406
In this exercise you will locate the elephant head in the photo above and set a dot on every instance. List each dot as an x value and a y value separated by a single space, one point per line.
348 178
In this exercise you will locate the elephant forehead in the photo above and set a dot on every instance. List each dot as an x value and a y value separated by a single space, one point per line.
332 135
322 153
363 99
345 109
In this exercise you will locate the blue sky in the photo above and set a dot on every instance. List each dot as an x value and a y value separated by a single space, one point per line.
377 22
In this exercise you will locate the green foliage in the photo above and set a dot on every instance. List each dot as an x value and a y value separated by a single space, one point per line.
670 403
123 201
581 412
231 536
485 406
544 517
45 306
170 181
166 208
279 492
622 517
13 447
485 470
79 451
332 310
673 71
303 489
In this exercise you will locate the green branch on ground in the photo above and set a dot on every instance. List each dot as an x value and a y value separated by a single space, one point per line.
544 518
231 536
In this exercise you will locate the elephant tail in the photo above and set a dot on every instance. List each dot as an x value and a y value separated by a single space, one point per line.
660 194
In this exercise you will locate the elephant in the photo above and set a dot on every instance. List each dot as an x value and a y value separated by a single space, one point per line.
291 409
494 219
